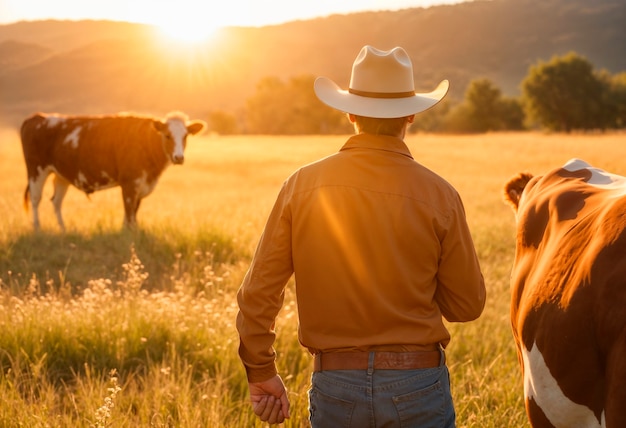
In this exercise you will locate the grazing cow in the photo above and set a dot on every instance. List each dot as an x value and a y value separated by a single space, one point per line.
568 285
99 152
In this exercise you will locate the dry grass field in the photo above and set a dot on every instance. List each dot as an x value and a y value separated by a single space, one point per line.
106 327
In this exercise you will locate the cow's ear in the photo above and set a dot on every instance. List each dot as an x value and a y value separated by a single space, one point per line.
196 126
515 187
159 126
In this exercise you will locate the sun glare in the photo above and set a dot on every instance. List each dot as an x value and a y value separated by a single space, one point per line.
182 21
190 21
188 31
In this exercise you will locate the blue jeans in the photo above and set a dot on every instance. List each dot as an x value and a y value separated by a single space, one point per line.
382 398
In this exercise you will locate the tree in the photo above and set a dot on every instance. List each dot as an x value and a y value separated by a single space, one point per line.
222 122
618 95
432 119
458 119
564 94
484 109
615 99
483 101
511 114
291 108
265 111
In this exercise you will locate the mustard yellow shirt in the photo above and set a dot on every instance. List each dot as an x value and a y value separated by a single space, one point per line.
380 249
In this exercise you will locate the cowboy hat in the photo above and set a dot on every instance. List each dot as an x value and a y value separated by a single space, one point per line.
381 86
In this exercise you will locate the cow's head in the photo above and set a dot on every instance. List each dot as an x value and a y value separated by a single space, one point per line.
515 187
174 131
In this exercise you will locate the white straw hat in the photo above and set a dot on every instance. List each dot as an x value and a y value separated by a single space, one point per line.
381 86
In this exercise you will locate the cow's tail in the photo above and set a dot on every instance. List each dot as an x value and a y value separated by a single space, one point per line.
26 197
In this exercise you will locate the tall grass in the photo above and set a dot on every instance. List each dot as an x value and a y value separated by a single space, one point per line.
107 327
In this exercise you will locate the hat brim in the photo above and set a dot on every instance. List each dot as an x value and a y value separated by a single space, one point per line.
332 95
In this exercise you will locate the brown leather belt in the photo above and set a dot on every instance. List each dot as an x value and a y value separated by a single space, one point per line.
382 360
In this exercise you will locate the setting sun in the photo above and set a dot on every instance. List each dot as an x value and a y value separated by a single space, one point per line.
188 30
183 21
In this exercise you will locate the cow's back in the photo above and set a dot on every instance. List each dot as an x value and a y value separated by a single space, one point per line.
567 230
108 148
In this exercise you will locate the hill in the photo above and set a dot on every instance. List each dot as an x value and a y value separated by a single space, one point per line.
104 66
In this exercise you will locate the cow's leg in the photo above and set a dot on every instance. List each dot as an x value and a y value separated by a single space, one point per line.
131 204
35 188
136 209
546 403
60 189
536 416
614 413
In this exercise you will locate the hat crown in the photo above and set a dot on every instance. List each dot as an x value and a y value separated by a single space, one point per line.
382 72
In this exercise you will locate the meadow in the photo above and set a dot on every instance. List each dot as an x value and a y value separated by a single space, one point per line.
102 326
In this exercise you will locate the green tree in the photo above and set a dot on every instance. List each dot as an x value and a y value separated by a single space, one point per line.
484 109
266 110
618 91
614 99
222 123
512 114
291 108
483 101
458 119
565 94
432 120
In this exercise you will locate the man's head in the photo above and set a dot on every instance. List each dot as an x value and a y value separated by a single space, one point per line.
395 126
381 86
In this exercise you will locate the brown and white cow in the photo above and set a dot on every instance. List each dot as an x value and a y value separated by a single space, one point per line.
98 152
568 308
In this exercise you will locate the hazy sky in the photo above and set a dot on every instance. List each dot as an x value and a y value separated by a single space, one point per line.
207 12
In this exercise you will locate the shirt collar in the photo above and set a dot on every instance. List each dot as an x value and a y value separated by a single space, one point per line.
377 142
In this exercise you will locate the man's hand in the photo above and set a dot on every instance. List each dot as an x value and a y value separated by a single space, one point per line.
269 400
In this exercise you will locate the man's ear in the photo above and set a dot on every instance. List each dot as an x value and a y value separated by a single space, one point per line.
411 118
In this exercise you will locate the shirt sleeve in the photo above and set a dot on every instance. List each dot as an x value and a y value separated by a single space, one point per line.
261 294
461 292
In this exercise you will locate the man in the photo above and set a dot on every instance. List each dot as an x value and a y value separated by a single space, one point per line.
381 252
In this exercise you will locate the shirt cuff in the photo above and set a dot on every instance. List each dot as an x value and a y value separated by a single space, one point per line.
261 374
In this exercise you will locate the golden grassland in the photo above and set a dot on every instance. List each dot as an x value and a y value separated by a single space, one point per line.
106 327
